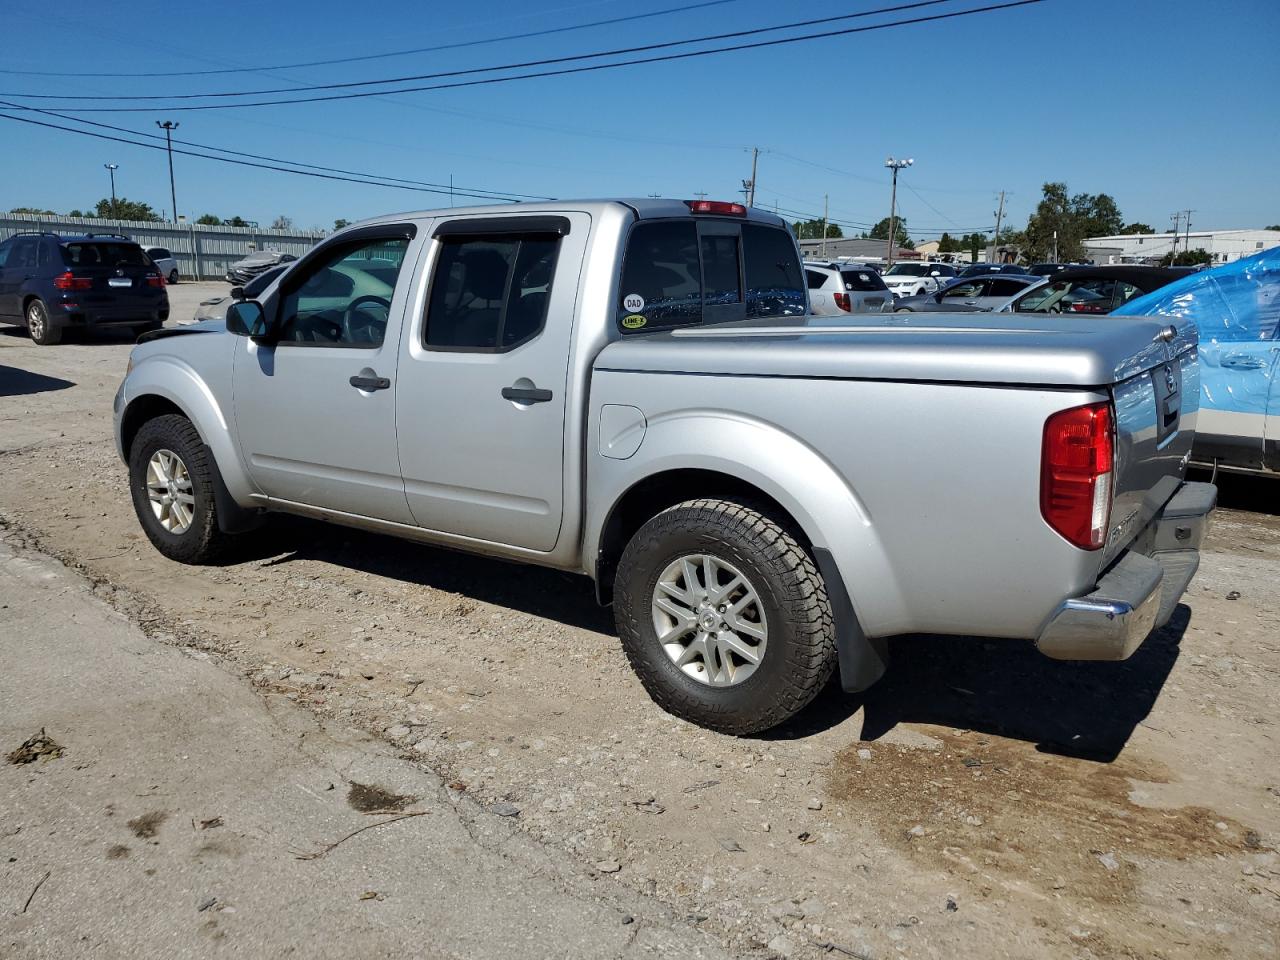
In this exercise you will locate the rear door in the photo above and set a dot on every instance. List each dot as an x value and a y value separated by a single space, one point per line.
966 296
316 411
998 292
483 372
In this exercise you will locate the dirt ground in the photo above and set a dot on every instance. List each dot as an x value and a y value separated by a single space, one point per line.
980 801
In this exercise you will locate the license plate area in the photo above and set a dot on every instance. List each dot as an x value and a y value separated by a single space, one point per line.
119 282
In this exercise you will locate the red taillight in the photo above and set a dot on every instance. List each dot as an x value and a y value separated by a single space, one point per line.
842 301
722 207
155 280
1084 306
69 281
1076 474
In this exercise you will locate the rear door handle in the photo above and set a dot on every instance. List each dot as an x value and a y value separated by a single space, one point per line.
1242 361
526 394
369 383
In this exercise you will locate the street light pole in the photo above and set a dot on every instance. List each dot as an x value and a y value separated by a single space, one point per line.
168 126
111 169
895 166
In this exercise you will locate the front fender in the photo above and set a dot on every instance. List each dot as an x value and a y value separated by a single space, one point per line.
178 382
806 484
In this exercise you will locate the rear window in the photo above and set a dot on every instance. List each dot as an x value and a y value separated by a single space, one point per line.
670 275
862 280
158 253
96 254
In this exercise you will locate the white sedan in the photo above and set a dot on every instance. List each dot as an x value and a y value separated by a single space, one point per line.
915 279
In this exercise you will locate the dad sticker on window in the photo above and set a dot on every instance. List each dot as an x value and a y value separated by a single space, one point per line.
633 321
633 303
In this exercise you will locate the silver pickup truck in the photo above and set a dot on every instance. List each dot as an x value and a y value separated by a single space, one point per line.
634 389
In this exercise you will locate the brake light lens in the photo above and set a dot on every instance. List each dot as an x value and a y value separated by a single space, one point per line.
1076 474
842 301
69 281
155 280
720 207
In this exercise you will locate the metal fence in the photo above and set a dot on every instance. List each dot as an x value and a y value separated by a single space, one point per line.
202 252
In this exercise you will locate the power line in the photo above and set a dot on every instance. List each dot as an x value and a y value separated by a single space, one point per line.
520 65
393 53
468 191
261 166
568 70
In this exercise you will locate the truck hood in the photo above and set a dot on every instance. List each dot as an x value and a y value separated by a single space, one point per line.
1030 349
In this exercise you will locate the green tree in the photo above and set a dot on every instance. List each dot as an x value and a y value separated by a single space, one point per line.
125 209
973 242
237 222
1072 218
1136 227
282 223
881 232
340 223
77 213
34 210
1186 258
812 230
209 220
1274 226
948 244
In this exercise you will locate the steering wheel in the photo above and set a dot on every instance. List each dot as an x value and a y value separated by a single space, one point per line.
349 328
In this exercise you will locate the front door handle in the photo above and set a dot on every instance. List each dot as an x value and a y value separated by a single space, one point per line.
526 394
369 383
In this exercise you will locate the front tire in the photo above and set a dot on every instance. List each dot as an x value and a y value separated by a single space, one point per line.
42 330
724 616
171 482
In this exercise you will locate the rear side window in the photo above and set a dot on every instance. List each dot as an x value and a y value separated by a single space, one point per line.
96 254
814 279
158 253
661 278
490 293
863 280
774 286
1006 288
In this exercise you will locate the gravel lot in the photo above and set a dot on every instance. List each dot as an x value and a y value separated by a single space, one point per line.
980 801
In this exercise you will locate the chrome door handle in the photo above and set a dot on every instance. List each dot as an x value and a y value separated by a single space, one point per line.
1242 361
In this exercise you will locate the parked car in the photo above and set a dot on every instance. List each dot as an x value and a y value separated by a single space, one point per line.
1236 308
1091 289
242 271
50 283
636 390
968 294
913 279
165 262
1051 269
979 269
215 308
837 288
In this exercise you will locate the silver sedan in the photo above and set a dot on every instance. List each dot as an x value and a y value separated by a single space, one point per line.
969 295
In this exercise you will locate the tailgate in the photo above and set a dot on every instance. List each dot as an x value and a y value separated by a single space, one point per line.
1156 410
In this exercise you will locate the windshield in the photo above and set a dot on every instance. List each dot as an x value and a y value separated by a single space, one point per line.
907 270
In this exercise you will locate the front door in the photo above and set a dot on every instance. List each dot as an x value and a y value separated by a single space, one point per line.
316 411
483 378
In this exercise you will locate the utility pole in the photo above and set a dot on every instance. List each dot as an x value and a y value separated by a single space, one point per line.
700 194
111 169
1055 246
749 186
168 126
824 224
1177 223
1187 245
895 166
995 241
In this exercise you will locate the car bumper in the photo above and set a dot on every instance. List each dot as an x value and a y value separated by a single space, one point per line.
1140 591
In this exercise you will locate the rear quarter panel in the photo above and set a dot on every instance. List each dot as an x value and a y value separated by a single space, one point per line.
927 495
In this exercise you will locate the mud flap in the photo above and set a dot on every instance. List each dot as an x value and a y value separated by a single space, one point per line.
862 660
232 518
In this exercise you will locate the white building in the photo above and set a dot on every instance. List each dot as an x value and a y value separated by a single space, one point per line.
1221 245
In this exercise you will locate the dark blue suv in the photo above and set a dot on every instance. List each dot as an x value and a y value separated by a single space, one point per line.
49 283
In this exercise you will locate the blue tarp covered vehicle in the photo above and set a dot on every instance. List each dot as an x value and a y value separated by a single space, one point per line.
1236 308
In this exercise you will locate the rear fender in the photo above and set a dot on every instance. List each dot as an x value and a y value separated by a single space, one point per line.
846 543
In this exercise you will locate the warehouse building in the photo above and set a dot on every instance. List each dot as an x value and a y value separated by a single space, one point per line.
1223 246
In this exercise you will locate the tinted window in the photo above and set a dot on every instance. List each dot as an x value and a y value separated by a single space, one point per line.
720 281
942 269
862 280
343 298
814 279
967 290
661 272
490 293
774 286
158 253
1005 288
262 281
24 253
98 254
4 251
906 270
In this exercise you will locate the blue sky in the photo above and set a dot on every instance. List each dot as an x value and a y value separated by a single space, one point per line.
1165 104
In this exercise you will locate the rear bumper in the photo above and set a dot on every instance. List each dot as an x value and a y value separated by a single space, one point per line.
1140 591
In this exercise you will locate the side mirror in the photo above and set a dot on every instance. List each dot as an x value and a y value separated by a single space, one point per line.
237 293
246 318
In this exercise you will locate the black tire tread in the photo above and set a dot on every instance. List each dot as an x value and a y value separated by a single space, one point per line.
806 608
52 332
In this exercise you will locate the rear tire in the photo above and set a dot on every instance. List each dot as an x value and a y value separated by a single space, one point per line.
789 618
168 459
173 275
42 330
